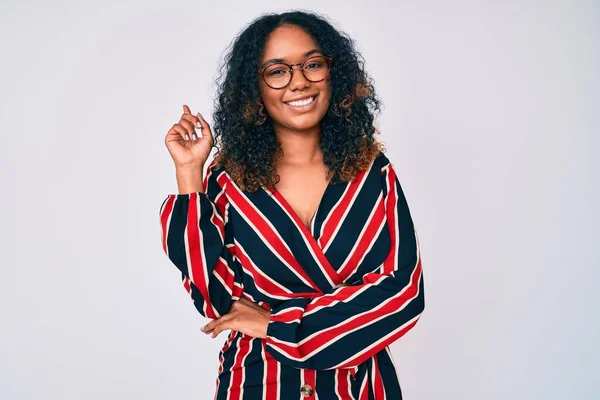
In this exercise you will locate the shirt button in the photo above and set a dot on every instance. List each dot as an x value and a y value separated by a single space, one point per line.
306 390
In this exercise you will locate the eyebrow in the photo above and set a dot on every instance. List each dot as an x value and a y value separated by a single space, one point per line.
280 60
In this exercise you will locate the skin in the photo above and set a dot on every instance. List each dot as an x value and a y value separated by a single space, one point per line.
302 170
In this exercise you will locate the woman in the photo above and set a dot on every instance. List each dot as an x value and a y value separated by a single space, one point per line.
298 239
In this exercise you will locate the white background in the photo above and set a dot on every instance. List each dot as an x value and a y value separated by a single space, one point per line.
491 120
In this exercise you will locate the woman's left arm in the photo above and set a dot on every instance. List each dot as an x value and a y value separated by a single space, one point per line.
345 327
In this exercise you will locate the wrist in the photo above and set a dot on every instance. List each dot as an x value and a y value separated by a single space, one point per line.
189 179
190 166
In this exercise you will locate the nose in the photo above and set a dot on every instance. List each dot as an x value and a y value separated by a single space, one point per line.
298 81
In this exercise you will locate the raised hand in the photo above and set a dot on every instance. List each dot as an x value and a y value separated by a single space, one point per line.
184 145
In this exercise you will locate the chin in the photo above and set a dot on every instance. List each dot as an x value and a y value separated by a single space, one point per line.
302 122
302 125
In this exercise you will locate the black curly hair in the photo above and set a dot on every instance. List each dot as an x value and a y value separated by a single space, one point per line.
247 145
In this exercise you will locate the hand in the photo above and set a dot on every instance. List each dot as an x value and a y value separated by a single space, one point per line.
244 316
185 147
339 285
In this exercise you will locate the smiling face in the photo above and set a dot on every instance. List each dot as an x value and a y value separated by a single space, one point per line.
293 45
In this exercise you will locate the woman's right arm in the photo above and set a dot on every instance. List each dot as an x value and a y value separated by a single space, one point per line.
197 236
196 233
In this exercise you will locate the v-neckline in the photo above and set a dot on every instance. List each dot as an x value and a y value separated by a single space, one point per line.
312 243
294 215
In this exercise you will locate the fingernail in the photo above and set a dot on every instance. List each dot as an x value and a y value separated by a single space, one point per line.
198 124
187 137
194 136
200 115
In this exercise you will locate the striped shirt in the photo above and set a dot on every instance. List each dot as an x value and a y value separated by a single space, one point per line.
324 341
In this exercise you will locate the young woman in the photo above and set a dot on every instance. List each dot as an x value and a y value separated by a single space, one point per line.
298 238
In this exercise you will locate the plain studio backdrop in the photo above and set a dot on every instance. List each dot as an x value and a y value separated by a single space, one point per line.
491 119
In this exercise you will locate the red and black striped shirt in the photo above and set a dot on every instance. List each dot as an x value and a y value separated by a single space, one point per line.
324 341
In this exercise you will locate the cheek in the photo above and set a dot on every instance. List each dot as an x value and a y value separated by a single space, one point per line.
272 101
326 97
325 90
271 104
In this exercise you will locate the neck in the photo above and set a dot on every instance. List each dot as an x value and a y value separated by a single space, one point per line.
299 147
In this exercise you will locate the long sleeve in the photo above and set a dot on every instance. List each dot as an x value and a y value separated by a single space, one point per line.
197 236
349 324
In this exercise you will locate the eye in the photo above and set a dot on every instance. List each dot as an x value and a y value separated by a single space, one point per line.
276 72
315 63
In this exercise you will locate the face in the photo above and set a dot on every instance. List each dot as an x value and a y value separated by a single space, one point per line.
292 44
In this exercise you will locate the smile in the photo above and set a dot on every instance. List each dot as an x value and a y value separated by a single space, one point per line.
301 103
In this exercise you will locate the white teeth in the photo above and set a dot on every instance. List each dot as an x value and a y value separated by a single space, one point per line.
300 103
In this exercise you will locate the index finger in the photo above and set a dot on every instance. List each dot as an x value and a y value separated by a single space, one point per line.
186 109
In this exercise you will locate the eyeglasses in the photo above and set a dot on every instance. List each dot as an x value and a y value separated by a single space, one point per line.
279 75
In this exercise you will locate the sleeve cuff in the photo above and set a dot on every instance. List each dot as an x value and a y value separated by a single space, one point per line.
271 329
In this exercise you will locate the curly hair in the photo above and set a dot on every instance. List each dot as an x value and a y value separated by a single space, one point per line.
249 147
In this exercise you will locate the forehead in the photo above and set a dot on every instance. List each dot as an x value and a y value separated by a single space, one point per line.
288 42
